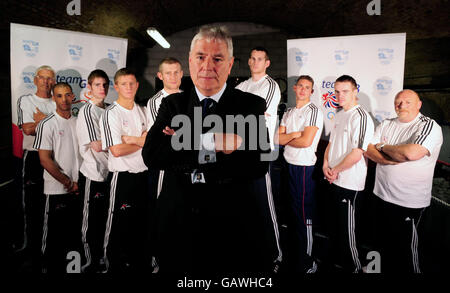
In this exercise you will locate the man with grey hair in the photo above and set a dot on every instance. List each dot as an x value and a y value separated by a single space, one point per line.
31 109
405 149
207 203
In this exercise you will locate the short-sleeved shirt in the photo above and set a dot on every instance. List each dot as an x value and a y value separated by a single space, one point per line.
26 107
408 184
153 106
352 129
58 134
118 121
297 119
268 89
95 164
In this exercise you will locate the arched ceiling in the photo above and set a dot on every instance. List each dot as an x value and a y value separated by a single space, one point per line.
302 18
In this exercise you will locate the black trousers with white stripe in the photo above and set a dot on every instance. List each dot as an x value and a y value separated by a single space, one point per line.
268 217
344 218
33 202
398 239
127 237
95 198
61 230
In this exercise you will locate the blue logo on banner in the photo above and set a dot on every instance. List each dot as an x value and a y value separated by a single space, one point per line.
28 79
30 47
341 56
75 52
385 55
301 58
114 55
380 115
383 86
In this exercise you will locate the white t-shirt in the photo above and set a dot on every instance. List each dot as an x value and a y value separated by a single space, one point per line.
408 184
26 107
296 120
58 134
118 121
352 129
95 164
268 89
153 106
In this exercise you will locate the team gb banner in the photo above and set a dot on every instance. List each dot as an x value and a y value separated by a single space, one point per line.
73 55
376 62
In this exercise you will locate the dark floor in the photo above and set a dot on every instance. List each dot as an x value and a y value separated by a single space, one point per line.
434 231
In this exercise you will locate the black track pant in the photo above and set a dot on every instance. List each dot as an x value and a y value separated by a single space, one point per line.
33 202
126 243
343 240
397 237
95 198
61 230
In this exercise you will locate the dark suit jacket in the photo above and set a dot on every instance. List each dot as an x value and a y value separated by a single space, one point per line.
210 227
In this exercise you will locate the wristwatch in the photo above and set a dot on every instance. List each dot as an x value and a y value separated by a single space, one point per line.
380 147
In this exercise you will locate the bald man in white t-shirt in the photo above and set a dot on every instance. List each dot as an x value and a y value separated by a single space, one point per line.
405 149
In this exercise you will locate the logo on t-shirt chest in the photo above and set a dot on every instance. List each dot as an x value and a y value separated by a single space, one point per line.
300 120
61 132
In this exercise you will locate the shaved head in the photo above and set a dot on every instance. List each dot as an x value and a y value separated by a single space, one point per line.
409 93
407 105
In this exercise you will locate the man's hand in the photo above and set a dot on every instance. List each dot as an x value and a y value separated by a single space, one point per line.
70 186
74 188
169 131
38 116
295 134
30 127
96 145
378 157
329 173
129 139
227 142
137 140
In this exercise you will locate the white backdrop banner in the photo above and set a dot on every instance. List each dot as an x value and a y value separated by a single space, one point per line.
73 55
375 61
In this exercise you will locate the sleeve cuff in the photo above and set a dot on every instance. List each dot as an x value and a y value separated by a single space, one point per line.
207 153
208 143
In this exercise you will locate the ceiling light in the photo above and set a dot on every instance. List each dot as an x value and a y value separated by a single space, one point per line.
153 32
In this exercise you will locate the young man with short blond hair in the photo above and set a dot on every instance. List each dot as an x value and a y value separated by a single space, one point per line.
123 129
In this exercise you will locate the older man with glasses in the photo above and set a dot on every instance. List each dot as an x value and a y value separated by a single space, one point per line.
31 109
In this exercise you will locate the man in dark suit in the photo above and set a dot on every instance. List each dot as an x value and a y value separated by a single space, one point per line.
207 214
